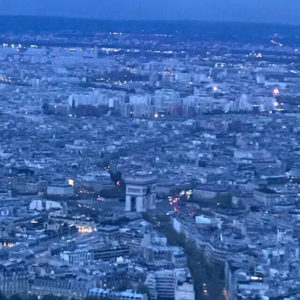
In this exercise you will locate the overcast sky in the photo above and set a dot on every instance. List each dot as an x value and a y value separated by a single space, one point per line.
271 11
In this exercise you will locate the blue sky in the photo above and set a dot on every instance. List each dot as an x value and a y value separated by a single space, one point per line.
270 11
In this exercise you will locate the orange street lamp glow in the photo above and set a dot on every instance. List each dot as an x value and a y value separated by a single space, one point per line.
276 92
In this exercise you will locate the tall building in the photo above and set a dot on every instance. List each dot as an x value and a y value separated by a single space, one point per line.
165 284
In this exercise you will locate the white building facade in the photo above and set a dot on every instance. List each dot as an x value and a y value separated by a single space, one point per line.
140 192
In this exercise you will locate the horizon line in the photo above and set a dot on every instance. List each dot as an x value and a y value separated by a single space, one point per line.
93 19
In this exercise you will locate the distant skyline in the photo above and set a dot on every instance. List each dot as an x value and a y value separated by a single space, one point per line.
258 11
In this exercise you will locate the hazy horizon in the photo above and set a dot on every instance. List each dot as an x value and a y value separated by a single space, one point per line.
255 11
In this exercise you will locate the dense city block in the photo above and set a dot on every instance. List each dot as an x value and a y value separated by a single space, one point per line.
149 164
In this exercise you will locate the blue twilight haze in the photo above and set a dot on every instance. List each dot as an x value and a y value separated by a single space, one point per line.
262 11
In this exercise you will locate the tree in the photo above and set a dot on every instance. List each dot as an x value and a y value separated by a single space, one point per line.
97 298
52 297
103 163
32 297
2 296
46 109
115 176
142 289
201 269
15 297
224 200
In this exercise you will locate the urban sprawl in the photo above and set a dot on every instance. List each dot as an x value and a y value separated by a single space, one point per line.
148 166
